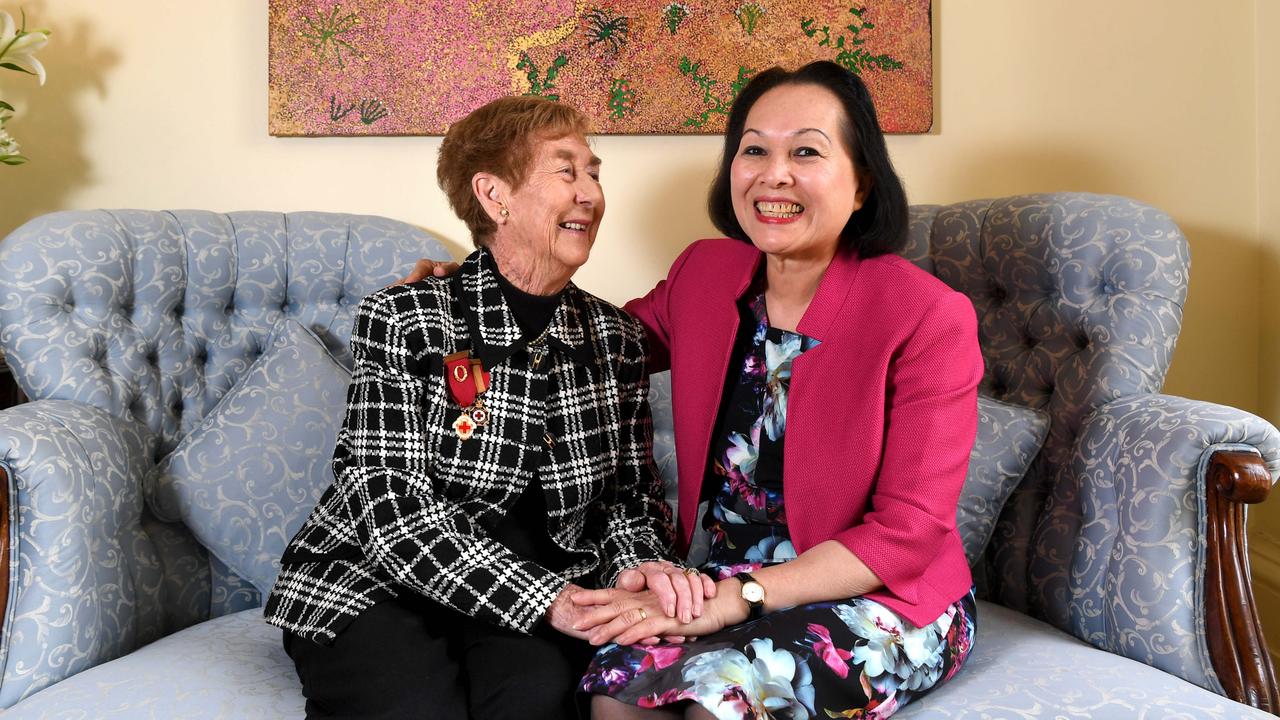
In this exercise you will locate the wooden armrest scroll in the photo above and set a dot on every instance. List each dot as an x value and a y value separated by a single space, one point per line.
1236 644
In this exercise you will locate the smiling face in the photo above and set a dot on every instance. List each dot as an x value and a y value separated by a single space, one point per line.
554 215
792 180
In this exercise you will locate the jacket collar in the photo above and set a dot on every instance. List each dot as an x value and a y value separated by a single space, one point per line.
495 334
824 309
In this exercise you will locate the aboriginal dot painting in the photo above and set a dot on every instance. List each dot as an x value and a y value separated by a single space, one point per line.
411 67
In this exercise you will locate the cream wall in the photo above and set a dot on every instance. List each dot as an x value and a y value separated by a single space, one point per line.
1265 524
162 104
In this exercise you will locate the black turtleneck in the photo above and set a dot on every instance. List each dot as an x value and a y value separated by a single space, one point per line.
524 528
533 312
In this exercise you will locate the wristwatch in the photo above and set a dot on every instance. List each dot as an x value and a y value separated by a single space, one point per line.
753 595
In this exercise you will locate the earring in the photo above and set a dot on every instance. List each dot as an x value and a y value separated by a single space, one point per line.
504 212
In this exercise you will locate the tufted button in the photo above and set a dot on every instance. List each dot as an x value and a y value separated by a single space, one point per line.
1048 389
343 300
176 406
179 309
1107 288
999 294
68 306
153 358
1030 342
1082 341
230 308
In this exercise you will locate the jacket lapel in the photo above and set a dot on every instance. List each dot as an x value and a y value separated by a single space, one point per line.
702 391
803 453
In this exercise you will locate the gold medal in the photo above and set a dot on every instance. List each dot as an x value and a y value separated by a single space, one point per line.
464 426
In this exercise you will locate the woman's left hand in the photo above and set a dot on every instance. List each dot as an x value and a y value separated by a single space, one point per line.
681 591
627 618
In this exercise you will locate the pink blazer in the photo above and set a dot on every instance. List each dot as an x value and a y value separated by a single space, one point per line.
881 416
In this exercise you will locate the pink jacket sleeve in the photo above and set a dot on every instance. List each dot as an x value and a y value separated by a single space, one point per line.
931 418
653 311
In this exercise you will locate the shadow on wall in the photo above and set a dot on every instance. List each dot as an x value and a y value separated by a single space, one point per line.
51 122
1216 357
1269 352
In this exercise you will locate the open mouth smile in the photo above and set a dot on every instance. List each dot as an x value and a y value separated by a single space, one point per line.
777 211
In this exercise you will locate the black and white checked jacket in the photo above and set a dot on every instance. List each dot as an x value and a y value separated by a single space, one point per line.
412 505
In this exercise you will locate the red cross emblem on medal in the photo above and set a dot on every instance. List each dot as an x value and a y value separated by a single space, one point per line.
464 426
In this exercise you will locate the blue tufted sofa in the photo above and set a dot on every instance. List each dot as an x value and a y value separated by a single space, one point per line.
1116 582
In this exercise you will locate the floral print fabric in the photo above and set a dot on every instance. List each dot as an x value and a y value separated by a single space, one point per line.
849 659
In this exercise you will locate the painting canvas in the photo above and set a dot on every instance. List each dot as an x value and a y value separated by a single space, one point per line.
411 67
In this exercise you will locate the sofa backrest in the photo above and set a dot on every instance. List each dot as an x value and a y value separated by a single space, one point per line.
155 315
1079 301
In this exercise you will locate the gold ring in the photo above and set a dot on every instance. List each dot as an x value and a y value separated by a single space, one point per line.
643 615
691 571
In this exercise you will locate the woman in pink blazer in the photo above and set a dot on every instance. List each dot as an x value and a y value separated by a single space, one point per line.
842 587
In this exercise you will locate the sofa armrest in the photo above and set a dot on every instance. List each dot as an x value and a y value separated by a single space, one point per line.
83 579
1159 572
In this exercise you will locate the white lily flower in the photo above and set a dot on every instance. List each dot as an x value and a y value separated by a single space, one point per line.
770 683
19 47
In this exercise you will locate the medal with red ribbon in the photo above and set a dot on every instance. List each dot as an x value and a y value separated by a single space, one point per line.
467 380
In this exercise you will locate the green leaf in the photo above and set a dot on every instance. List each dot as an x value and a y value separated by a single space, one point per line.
11 66
6 106
12 159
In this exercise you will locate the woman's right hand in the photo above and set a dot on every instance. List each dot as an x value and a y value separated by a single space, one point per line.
425 268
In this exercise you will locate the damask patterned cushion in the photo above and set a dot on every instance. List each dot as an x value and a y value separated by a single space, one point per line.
247 477
1009 437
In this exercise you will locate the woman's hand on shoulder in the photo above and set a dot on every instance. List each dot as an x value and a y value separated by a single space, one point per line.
425 268
681 591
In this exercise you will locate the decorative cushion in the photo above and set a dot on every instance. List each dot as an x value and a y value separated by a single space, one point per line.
247 477
1009 438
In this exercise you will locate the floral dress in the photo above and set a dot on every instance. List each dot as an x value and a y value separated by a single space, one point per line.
848 659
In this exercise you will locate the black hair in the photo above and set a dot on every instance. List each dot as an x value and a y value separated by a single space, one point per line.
879 227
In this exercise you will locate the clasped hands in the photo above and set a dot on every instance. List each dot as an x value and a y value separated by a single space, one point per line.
651 602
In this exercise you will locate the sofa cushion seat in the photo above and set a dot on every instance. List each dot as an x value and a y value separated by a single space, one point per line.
235 667
1023 668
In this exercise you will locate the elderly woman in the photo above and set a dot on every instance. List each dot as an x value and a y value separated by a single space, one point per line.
824 394
495 457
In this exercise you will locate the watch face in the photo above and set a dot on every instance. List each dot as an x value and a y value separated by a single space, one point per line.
753 592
